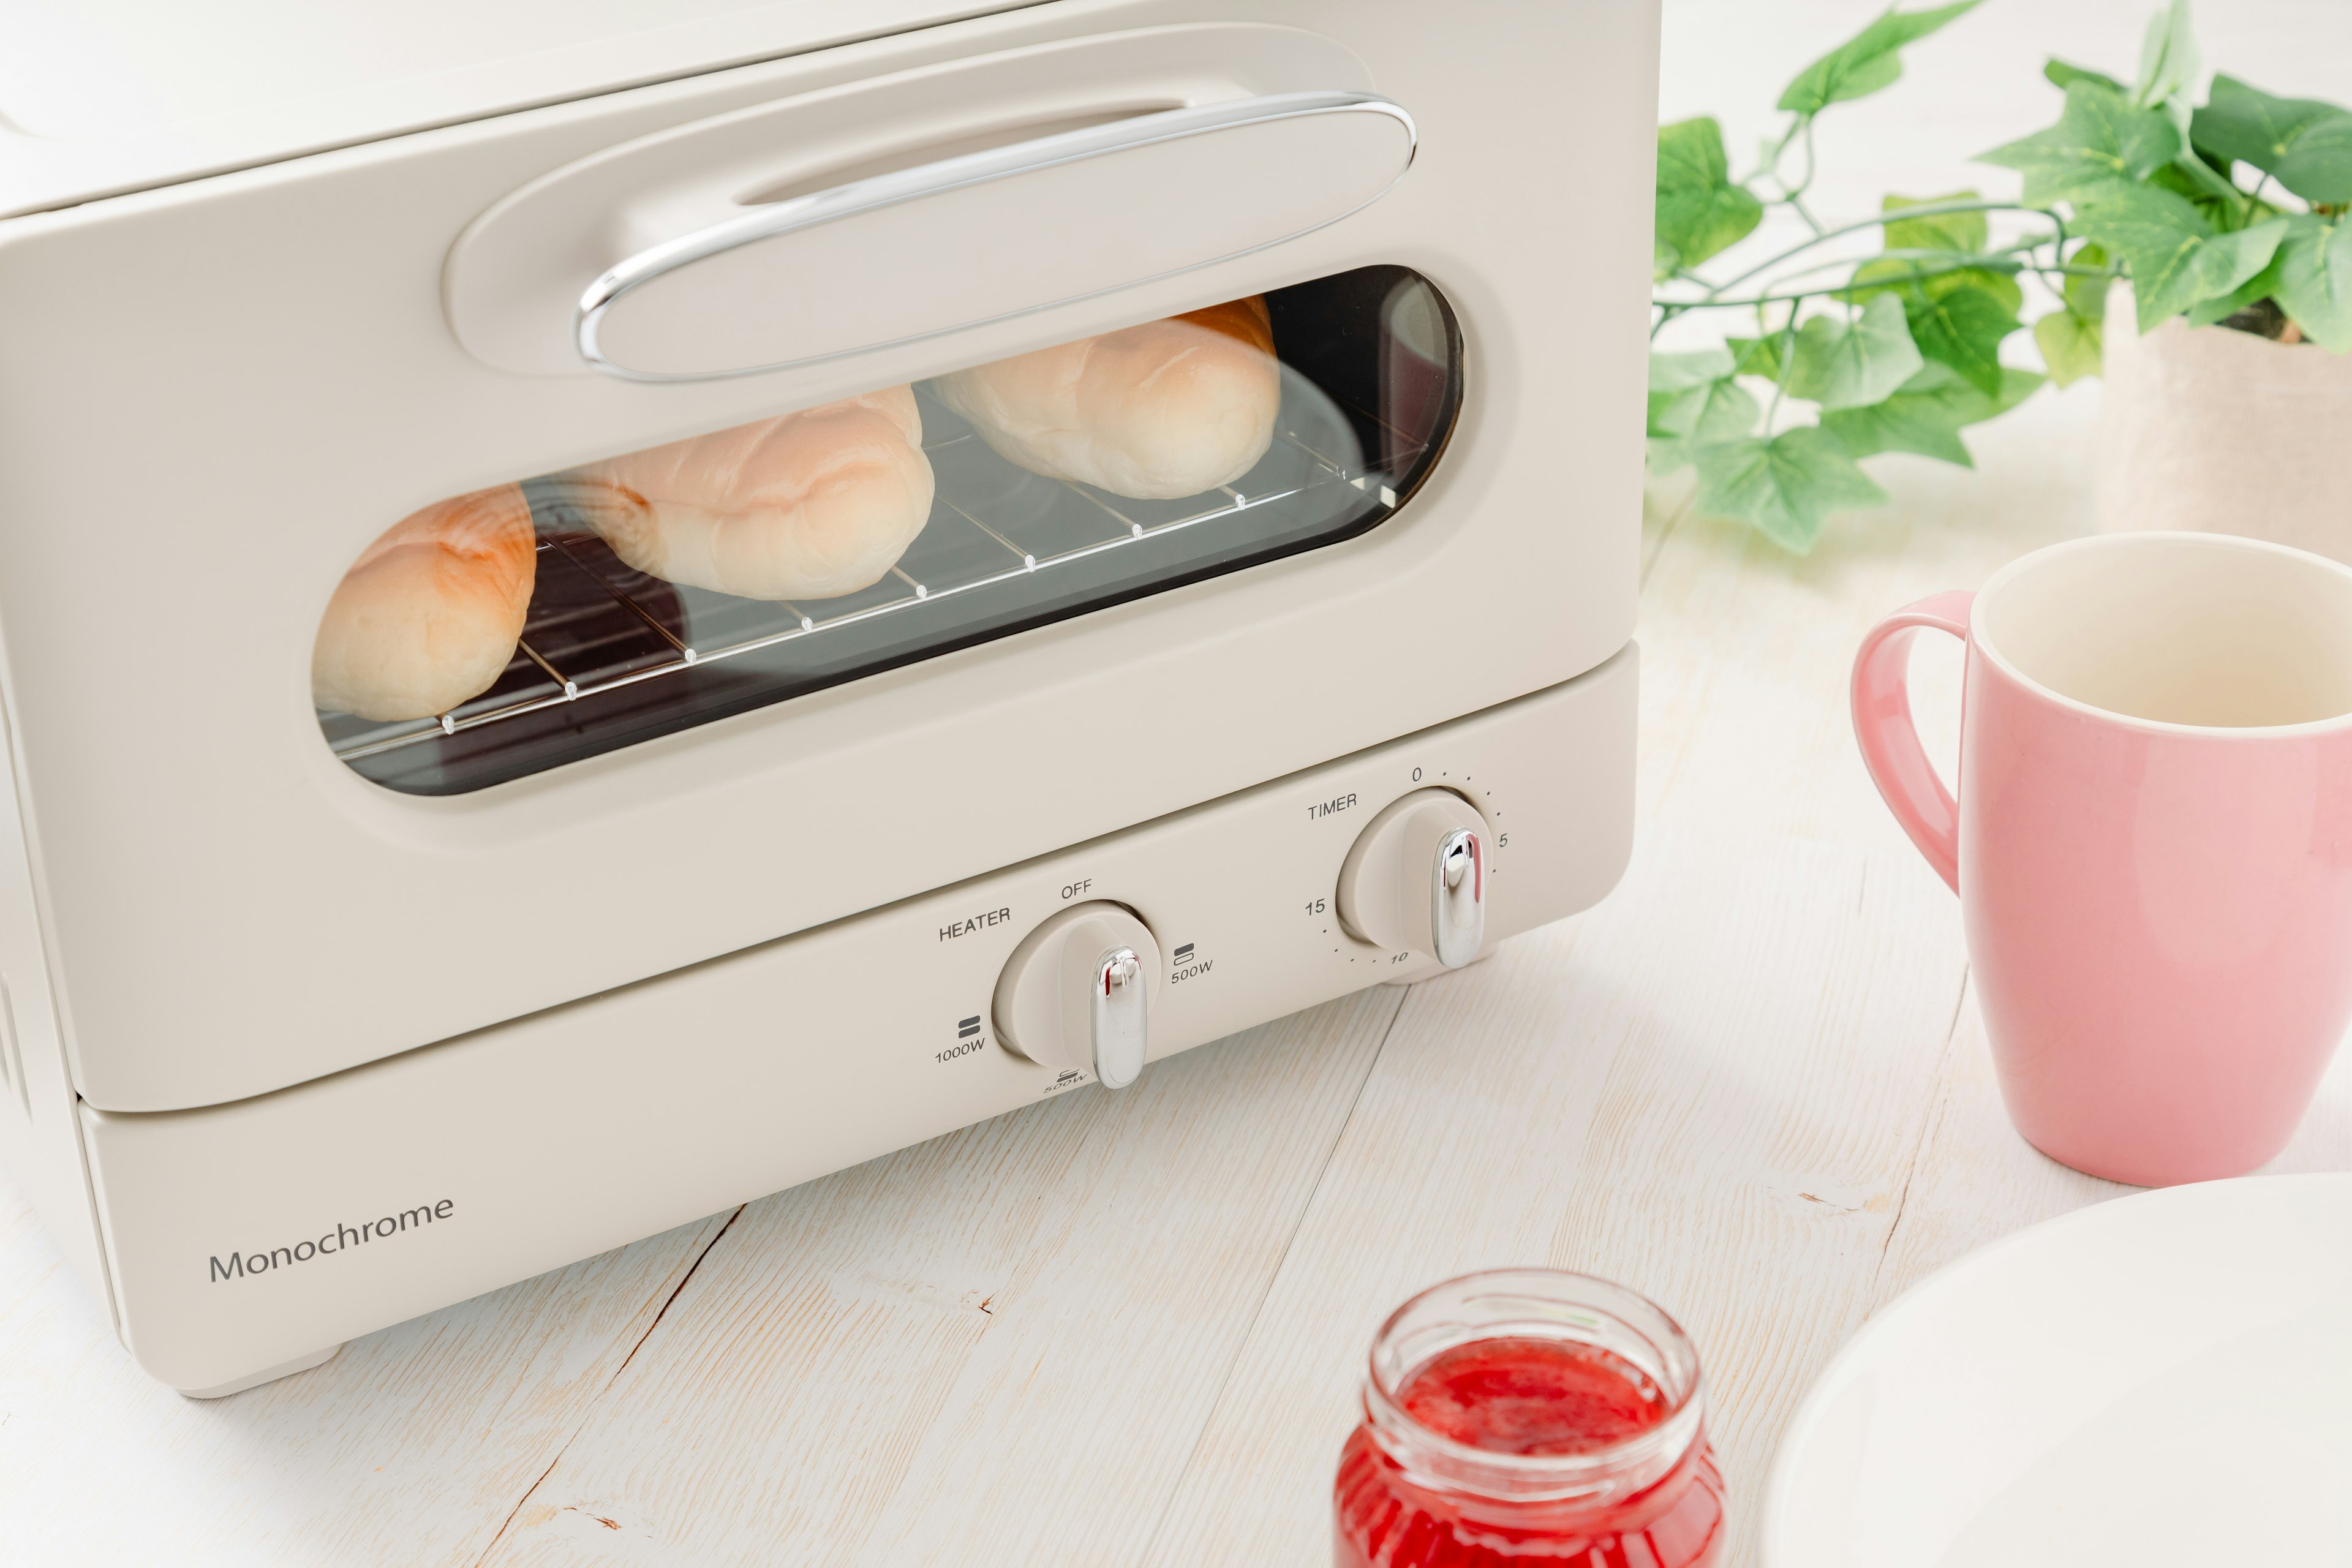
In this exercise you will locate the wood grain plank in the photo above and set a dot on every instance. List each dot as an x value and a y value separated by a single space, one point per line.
407 1449
1728 1141
997 1347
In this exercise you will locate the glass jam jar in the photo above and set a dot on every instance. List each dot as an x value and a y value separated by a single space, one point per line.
1525 1416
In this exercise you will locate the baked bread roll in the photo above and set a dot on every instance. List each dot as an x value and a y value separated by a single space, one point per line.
807 506
429 614
1169 409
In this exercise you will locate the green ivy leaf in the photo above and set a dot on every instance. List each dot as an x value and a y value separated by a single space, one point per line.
2072 345
1701 209
1909 279
2222 307
1963 231
2086 292
1694 400
2223 205
1843 364
2313 281
2318 167
1756 356
2304 144
2169 61
1963 329
1785 488
1702 415
2174 258
2247 125
1866 62
1679 373
2101 141
1926 413
1961 235
2064 76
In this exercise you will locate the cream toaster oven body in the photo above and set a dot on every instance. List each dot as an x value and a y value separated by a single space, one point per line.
601 617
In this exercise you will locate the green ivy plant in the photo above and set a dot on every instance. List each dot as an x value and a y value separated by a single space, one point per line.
2231 212
1900 349
1897 350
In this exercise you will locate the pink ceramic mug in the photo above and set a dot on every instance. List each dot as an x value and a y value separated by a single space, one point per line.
2153 841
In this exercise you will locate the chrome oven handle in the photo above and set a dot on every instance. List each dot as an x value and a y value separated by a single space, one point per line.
903 185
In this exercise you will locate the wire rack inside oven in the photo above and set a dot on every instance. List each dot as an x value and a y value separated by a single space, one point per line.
601 634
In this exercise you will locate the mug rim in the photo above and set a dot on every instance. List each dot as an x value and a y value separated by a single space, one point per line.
1982 642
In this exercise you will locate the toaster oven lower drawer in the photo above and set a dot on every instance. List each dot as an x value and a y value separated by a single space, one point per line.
257 1235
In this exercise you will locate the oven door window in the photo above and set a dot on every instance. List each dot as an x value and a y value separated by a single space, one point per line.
500 633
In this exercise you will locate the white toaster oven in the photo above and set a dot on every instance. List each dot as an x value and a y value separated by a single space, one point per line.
608 611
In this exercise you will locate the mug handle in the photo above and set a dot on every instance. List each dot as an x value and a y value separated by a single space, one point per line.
1890 743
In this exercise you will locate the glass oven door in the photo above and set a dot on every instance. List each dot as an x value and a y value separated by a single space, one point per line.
495 635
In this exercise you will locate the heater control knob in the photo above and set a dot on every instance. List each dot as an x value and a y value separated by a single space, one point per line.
1078 992
1416 879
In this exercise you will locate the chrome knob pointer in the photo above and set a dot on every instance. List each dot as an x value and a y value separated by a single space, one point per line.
1457 899
1121 1018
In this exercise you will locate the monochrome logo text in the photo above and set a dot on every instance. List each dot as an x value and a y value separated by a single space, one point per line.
239 1265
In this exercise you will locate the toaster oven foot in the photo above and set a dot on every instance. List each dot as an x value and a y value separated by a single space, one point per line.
267 1375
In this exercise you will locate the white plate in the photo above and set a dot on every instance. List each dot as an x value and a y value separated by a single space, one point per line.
2163 1379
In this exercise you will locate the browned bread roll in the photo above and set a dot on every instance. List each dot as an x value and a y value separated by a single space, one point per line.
1169 409
429 614
807 506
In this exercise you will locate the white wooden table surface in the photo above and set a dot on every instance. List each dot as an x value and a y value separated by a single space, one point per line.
1126 1328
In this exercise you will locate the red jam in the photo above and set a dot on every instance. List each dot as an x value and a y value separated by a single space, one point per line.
1532 1396
1537 1397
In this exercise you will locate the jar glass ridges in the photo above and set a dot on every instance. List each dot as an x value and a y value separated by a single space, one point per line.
1522 1417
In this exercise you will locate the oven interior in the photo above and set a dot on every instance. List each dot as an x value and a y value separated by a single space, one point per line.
1360 392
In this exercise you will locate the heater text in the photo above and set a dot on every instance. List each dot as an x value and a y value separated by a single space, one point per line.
980 921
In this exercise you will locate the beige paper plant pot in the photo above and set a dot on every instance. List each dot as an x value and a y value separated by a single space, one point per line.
2217 431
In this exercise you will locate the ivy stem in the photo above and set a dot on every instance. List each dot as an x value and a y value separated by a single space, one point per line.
1916 275
1796 197
1668 309
1931 209
1771 166
1787 363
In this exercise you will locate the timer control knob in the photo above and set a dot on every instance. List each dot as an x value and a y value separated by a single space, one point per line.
1415 880
1078 992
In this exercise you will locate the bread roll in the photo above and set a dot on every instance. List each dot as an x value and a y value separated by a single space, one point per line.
429 614
1169 409
807 506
